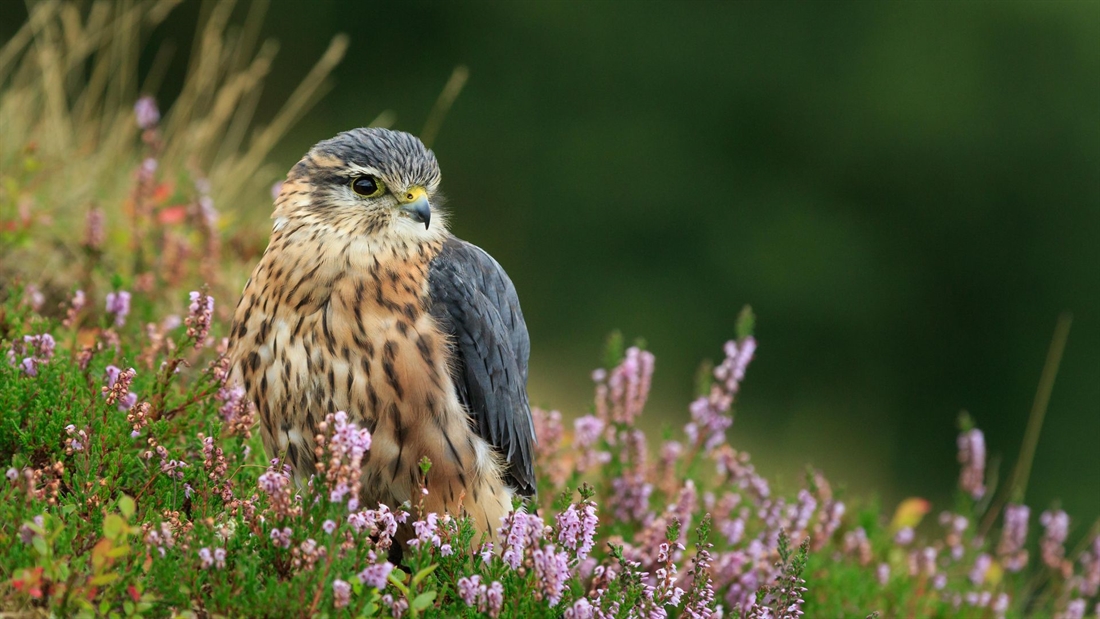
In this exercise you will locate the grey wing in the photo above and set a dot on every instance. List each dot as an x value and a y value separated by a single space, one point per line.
476 304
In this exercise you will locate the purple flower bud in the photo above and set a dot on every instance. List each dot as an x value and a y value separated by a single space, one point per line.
118 303
376 575
341 593
146 113
29 366
1011 547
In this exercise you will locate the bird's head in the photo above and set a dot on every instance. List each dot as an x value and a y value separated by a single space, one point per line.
366 181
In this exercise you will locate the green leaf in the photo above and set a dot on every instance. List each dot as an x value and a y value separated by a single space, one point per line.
118 551
422 574
613 349
103 579
128 607
398 582
127 506
424 600
113 525
40 545
746 323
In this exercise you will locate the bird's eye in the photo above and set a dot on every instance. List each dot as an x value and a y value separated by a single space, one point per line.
367 186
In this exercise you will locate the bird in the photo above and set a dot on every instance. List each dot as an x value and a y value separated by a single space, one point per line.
364 302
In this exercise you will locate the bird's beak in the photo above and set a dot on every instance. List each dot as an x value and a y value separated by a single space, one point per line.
414 201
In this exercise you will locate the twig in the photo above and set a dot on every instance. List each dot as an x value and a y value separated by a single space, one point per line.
443 104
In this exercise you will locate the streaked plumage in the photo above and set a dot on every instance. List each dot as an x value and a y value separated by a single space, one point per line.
368 304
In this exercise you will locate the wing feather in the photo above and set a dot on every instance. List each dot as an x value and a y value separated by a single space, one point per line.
476 304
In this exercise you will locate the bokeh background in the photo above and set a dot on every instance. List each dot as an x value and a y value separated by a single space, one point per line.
907 194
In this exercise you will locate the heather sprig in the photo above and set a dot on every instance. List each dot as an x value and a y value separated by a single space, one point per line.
203 509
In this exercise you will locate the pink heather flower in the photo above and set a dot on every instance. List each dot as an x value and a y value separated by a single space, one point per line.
586 437
29 366
118 303
118 383
341 593
552 572
486 552
981 567
281 538
112 376
494 599
577 528
468 587
857 544
206 557
329 526
741 472
161 538
77 303
173 468
956 526
904 536
12 474
219 558
710 414
632 489
519 531
349 439
581 609
34 297
1090 568
26 533
487 599
1011 549
233 402
628 386
1075 609
77 440
42 345
199 318
972 458
273 482
378 523
882 573
427 531
207 211
805 509
146 113
376 575
398 606
127 402
94 234
1056 528
701 593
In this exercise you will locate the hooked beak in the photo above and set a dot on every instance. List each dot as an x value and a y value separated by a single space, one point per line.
414 202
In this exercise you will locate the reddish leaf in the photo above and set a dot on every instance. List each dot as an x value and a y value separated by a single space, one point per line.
172 214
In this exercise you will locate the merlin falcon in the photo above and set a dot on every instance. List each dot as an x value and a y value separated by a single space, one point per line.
365 303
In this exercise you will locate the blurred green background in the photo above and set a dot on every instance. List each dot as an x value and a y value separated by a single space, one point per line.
907 195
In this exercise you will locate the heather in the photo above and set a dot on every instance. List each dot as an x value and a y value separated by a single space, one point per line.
135 484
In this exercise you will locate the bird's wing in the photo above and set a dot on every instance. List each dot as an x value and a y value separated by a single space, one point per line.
476 304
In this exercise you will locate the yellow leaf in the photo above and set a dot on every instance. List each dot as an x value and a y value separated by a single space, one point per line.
103 579
909 513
